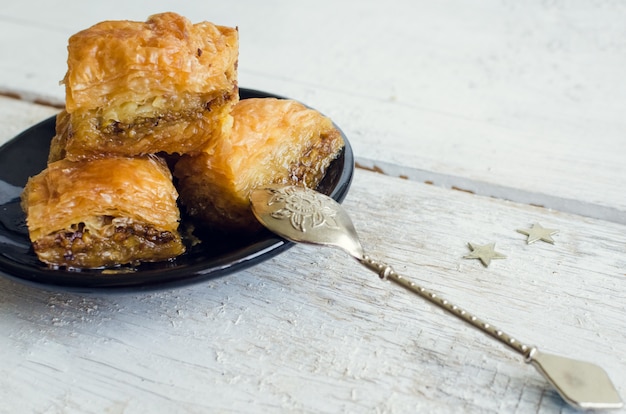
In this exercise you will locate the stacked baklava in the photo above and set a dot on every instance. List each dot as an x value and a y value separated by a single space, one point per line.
138 93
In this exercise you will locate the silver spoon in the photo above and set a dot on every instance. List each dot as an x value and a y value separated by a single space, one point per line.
306 216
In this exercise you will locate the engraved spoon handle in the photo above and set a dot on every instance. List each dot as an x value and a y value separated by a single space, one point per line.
386 272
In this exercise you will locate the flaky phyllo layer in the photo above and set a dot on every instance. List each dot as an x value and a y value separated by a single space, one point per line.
273 141
164 85
103 212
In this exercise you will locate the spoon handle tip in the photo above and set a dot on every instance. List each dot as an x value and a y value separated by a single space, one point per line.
580 384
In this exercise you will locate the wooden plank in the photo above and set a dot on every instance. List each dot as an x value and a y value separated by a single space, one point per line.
521 103
17 115
311 331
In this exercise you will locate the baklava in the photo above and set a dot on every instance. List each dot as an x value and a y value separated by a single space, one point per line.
103 212
134 88
272 141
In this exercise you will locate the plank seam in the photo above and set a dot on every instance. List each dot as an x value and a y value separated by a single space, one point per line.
487 189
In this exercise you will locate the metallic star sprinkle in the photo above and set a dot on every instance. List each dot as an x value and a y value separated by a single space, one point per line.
536 232
484 253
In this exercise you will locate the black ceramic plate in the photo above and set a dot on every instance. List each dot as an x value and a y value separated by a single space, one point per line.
26 155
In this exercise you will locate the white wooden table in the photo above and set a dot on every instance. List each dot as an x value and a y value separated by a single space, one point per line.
468 120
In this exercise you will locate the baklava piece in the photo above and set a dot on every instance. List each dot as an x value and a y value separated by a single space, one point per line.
272 141
135 88
103 212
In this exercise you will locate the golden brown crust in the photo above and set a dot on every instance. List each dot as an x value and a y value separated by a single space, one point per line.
272 141
164 85
103 212
117 62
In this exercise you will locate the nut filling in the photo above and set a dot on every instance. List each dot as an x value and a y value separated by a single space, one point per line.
118 242
141 127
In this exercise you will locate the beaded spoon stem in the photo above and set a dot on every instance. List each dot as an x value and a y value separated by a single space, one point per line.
306 216
386 272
